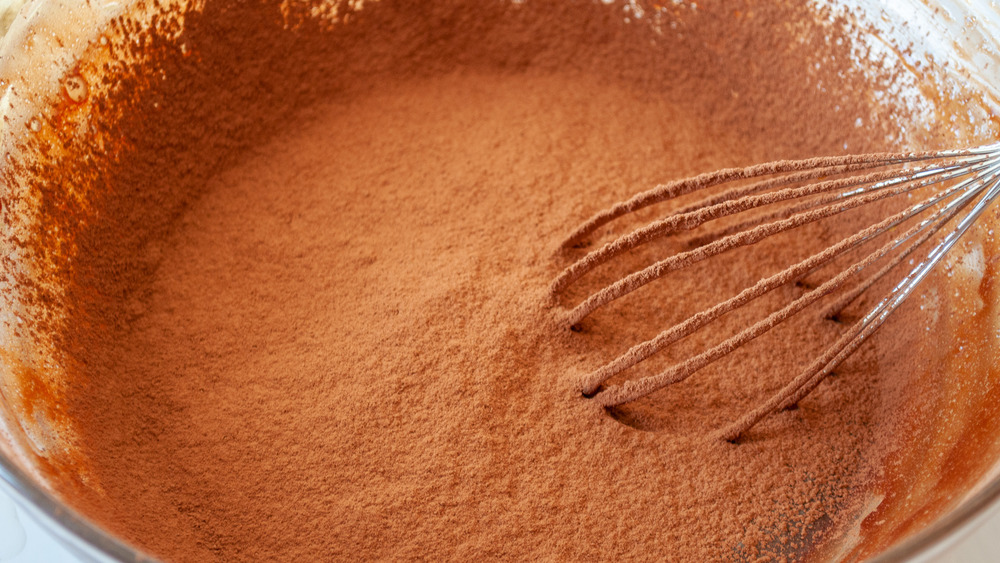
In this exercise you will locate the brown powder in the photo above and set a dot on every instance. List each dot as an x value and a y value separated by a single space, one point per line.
314 321
341 325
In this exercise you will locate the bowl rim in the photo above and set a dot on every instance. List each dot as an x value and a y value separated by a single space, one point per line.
75 527
947 530
88 538
57 517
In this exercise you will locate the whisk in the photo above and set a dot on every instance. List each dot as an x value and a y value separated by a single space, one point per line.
767 199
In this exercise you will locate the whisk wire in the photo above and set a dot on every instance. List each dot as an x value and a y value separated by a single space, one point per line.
843 202
703 181
632 390
731 202
965 174
848 343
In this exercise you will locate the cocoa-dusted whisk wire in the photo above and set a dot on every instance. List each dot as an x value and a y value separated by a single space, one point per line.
965 181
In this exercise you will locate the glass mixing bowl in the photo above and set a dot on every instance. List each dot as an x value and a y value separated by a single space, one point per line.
950 48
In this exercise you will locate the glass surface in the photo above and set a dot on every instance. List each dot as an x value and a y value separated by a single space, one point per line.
976 23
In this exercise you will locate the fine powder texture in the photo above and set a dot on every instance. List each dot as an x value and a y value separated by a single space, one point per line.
340 343
346 351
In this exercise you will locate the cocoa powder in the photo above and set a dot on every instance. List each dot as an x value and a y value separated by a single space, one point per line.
313 322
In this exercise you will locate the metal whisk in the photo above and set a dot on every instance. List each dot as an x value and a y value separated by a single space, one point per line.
774 198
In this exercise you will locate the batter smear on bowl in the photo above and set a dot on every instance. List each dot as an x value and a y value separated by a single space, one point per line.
313 320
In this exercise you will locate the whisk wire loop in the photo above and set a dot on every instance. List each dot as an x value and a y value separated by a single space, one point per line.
966 176
848 343
685 186
841 202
